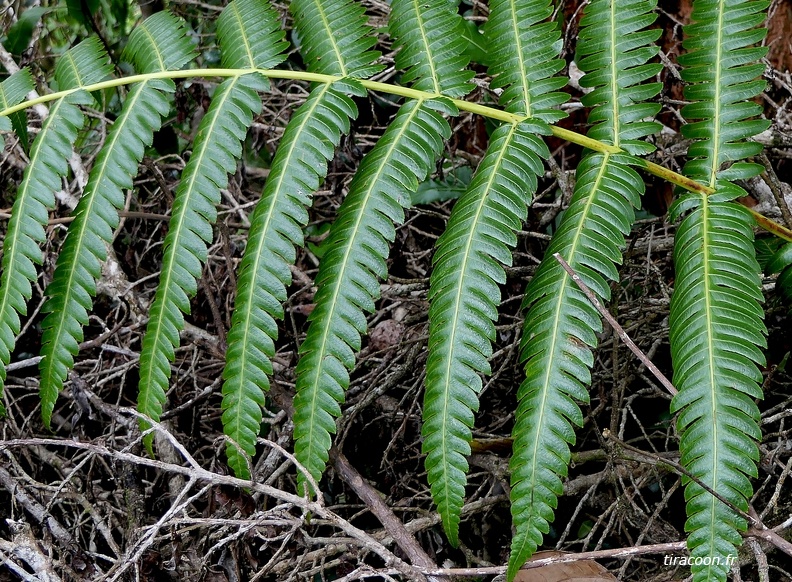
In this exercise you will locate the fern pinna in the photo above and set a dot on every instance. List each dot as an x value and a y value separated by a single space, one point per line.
96 216
339 47
81 66
716 329
217 147
12 92
560 324
464 293
359 238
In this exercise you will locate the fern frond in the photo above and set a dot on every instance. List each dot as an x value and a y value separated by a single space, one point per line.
723 74
464 298
299 166
430 37
613 49
524 53
96 216
13 91
78 267
716 330
86 63
217 147
250 35
335 38
464 292
716 326
159 43
560 329
560 325
354 259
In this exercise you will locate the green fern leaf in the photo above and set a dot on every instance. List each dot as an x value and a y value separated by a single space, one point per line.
560 329
716 330
159 43
300 165
85 64
464 292
430 36
96 216
464 298
615 68
217 147
12 91
216 150
250 36
335 38
354 259
716 326
723 74
524 53
560 325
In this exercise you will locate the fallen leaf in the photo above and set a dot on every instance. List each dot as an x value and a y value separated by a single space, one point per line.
581 571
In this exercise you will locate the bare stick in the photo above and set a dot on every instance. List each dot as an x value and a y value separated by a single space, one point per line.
378 507
200 474
563 558
616 327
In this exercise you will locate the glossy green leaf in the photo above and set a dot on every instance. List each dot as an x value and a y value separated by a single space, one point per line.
348 278
464 298
86 63
276 227
716 328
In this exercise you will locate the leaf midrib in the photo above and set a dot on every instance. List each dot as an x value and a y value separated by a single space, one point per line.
243 31
710 331
614 76
331 38
427 46
716 129
519 50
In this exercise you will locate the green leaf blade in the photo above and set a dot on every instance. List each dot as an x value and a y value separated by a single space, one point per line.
335 38
96 217
250 35
300 165
217 147
348 274
86 63
616 69
558 338
716 373
716 328
464 297
721 70
524 50
159 43
431 37
13 91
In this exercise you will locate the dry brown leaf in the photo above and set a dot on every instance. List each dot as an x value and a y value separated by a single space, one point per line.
582 571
